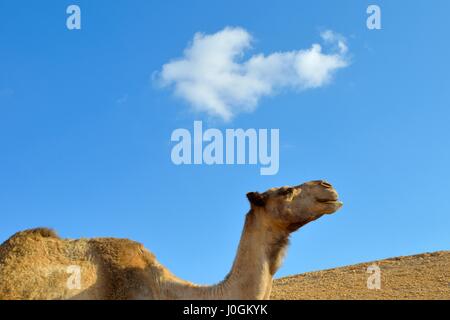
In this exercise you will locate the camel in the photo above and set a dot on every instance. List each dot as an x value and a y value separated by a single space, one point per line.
38 264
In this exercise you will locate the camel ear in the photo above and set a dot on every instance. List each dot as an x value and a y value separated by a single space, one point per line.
256 199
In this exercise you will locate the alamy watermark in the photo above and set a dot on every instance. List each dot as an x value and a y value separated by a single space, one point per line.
74 280
373 22
235 146
374 280
73 21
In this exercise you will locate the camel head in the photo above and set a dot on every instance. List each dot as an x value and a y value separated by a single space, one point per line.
292 207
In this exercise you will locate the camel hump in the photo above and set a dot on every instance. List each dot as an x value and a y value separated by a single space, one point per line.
37 232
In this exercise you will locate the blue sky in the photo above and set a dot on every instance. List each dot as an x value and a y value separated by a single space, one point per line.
85 131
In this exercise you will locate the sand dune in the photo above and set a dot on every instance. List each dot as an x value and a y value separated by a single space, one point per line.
423 276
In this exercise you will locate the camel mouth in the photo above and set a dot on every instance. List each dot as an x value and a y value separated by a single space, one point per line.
330 201
331 205
327 200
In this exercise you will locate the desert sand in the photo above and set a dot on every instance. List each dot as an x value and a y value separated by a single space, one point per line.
422 276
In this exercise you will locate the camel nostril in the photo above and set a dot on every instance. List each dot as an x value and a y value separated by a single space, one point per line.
326 184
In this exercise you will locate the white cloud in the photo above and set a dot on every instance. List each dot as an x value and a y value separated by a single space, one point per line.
213 77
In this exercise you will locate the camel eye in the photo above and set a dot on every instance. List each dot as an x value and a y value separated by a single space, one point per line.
286 191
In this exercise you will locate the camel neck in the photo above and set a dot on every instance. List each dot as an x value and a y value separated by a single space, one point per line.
261 249
259 256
